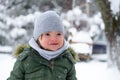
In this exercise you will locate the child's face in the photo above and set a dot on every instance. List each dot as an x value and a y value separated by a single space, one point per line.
52 40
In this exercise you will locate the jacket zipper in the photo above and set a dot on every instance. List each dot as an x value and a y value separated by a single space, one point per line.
52 64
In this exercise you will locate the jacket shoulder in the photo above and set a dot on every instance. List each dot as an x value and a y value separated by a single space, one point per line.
72 54
69 56
23 55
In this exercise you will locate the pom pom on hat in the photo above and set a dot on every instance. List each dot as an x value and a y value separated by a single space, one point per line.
48 21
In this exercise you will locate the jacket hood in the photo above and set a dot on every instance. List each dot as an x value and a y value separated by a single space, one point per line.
19 49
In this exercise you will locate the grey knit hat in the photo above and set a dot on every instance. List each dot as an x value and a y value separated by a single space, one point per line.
48 21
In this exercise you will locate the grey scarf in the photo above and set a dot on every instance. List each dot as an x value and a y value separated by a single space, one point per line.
45 53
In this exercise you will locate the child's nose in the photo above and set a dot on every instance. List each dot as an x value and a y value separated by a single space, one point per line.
53 38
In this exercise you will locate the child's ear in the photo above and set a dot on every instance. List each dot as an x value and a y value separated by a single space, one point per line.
39 38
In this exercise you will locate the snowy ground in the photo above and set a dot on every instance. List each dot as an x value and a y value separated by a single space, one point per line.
93 70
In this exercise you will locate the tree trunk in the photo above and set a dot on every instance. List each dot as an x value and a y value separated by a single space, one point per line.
68 4
112 30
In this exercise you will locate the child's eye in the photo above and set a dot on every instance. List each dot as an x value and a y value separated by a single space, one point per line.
47 34
59 34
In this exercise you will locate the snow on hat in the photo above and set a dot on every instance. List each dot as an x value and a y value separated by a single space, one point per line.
48 21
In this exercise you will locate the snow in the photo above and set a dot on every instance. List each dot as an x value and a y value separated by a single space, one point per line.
115 6
95 70
66 23
92 70
17 32
6 62
81 48
82 37
22 20
83 42
6 49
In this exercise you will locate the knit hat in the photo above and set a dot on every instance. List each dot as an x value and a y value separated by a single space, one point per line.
48 21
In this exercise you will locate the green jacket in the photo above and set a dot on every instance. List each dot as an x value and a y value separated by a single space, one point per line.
31 66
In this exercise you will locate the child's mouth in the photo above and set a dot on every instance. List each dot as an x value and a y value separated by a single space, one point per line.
54 44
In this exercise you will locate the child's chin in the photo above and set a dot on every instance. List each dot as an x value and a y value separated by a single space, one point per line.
51 49
54 49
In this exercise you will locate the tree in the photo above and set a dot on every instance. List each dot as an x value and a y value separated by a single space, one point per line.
23 7
112 29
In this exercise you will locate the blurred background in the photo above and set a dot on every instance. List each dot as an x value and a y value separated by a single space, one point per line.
17 17
92 26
